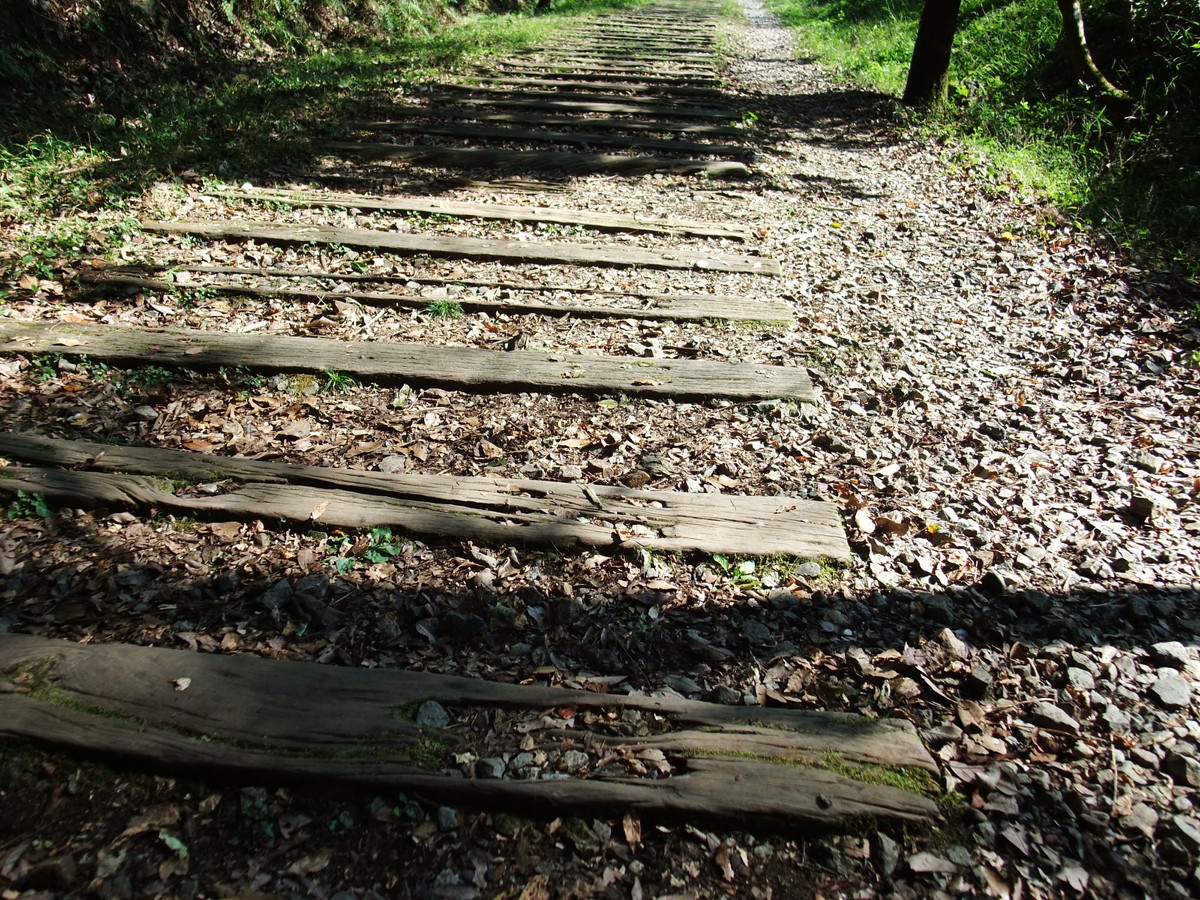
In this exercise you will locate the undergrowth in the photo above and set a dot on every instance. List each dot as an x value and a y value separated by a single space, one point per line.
100 100
1135 172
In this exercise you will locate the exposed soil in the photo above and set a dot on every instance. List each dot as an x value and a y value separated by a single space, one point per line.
1007 419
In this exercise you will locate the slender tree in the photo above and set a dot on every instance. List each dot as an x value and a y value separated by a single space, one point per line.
1080 55
929 71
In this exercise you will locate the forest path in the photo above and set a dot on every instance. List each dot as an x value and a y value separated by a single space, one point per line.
1003 415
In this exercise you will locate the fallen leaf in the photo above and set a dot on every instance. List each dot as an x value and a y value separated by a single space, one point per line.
182 684
311 864
633 830
538 888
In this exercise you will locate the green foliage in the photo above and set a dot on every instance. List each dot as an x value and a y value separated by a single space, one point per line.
28 504
376 545
338 382
97 102
446 309
1134 171
174 844
342 823
45 365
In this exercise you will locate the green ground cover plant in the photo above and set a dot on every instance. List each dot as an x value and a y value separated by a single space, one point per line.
1132 169
101 99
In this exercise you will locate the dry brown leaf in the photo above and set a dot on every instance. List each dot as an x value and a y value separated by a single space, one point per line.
310 864
632 826
538 888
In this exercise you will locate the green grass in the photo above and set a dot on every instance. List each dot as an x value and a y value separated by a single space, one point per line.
1028 126
444 309
77 154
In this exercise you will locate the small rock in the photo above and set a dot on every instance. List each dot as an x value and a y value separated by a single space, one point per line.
1143 818
809 570
277 595
570 473
447 818
942 734
886 853
1047 715
491 767
1171 690
928 862
574 760
1117 720
1081 679
568 611
953 643
725 695
579 833
393 464
1170 654
1184 770
756 632
1188 829
507 825
978 682
432 714
994 583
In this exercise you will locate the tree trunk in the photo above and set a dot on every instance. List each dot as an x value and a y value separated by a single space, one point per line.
929 71
1080 56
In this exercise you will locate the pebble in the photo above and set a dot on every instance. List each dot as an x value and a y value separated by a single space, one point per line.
1184 770
1081 679
1048 715
1172 654
575 760
447 818
432 714
1171 690
490 767
277 595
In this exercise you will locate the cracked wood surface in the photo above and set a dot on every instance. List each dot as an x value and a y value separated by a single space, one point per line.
287 721
560 514
462 368
474 248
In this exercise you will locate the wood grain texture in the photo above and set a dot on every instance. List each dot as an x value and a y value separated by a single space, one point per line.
462 368
492 211
475 248
255 714
567 161
584 138
502 510
680 309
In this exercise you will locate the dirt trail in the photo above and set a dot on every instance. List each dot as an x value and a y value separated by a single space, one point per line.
998 413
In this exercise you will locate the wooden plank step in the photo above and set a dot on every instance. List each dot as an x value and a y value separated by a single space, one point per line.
497 211
613 108
275 722
599 104
596 84
653 101
475 248
554 137
695 309
461 368
643 126
648 68
565 161
549 71
751 310
497 510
